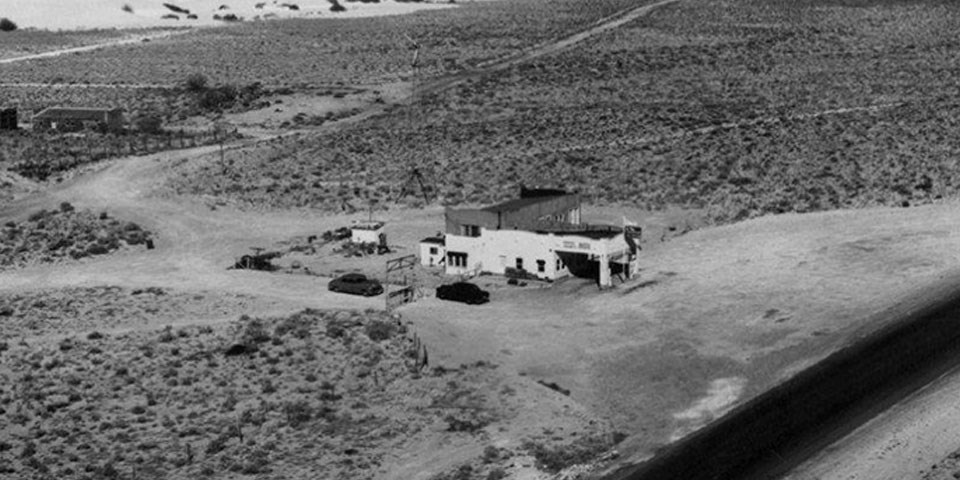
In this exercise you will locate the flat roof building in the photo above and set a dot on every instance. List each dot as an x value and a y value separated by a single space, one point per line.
537 235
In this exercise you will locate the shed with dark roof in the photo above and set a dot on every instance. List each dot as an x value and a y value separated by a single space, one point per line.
8 119
69 119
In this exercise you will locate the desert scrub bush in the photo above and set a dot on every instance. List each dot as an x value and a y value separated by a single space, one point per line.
496 474
328 395
490 454
379 330
298 325
248 462
340 324
196 82
297 413
469 423
217 445
463 472
166 336
56 235
556 458
7 25
254 331
218 98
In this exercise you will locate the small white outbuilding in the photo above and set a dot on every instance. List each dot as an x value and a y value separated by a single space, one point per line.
433 251
366 232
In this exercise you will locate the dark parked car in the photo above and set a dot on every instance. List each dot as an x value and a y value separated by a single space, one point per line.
463 292
357 284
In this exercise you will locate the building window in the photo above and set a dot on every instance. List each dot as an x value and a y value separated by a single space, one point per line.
541 266
433 250
559 264
519 263
470 230
456 259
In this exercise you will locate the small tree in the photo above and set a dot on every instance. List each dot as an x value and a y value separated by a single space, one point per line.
196 82
7 25
218 98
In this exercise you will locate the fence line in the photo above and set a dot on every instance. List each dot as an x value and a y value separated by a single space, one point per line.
43 158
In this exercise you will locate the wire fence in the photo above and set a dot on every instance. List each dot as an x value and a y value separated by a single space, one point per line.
39 155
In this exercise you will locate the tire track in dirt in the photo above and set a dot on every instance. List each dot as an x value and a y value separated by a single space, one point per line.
95 46
126 86
603 25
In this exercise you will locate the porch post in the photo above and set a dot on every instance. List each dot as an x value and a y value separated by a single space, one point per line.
605 280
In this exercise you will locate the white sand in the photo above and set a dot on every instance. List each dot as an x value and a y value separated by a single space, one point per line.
94 14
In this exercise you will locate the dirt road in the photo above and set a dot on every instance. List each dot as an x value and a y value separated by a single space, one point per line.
195 244
96 46
611 22
127 86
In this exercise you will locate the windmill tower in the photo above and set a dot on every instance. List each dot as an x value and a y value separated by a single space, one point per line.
414 46
413 175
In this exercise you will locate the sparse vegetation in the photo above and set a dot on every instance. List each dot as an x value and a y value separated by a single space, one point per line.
65 234
555 458
678 110
88 312
192 436
351 51
44 155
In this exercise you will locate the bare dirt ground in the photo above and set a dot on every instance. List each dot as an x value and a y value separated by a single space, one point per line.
658 356
199 240
716 315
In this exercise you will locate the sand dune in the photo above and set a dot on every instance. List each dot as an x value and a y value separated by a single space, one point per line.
93 14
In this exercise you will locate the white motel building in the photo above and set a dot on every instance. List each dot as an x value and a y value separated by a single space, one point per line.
539 234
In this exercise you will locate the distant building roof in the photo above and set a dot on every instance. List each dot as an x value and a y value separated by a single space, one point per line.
520 203
78 113
436 240
367 225
541 192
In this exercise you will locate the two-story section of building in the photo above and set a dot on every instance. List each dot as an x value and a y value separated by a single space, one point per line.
538 234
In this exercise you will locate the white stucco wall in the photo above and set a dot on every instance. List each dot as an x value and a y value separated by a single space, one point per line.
359 235
495 250
428 259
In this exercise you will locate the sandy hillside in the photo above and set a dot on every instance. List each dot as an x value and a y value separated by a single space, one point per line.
57 14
